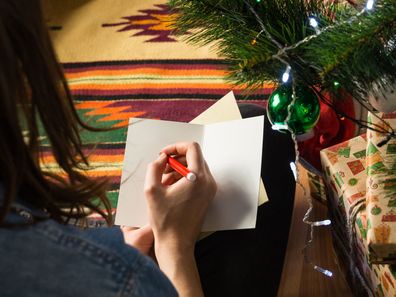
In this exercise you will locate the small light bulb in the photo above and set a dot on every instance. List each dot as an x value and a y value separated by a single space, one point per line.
286 75
370 4
293 169
322 223
313 22
324 271
278 127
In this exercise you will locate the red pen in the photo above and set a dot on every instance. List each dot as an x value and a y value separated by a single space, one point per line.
180 168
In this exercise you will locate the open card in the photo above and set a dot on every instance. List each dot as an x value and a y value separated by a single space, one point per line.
232 150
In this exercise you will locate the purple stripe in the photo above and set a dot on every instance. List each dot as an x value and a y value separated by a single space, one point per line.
144 103
178 110
143 66
116 92
115 180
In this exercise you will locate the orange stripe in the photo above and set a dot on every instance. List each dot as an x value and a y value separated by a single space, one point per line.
106 173
92 105
92 158
142 71
145 22
154 86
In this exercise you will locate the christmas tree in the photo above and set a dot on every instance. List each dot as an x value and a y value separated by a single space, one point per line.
319 44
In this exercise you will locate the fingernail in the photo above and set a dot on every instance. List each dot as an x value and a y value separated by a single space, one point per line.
161 157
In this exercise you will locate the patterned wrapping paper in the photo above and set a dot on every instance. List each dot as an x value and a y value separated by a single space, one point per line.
380 278
344 169
386 277
350 173
381 191
316 186
346 175
316 183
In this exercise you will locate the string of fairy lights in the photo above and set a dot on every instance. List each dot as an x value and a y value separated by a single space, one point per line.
287 77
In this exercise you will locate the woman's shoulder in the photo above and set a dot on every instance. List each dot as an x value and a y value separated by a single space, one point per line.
107 247
94 260
99 243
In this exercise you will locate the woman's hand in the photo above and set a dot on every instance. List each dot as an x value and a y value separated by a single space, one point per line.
177 209
140 238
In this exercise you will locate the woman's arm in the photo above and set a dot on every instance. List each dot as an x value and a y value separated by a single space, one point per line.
177 209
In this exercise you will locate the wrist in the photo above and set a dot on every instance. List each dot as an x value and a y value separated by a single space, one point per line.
174 244
174 250
180 267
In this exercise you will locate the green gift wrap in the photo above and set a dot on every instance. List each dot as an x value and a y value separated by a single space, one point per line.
381 191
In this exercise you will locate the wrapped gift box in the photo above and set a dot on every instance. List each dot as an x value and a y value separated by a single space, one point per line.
346 175
359 171
381 191
344 168
381 278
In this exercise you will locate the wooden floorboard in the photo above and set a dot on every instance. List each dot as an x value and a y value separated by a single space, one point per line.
299 279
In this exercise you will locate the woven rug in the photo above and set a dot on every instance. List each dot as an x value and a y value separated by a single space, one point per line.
121 60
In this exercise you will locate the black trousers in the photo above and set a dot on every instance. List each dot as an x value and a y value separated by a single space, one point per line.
248 263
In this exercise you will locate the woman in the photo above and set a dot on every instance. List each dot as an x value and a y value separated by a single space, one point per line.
42 255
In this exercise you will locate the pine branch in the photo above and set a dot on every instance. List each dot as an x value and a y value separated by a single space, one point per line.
355 53
349 52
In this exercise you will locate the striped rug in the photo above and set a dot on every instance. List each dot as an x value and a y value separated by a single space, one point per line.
122 60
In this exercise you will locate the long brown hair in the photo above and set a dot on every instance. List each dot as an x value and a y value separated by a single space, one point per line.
34 92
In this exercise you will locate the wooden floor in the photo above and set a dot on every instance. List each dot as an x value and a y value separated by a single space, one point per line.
298 277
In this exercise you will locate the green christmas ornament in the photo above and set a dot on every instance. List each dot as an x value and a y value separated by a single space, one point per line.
304 113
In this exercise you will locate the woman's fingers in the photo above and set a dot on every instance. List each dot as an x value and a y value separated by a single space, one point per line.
181 159
191 150
179 148
140 238
170 178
